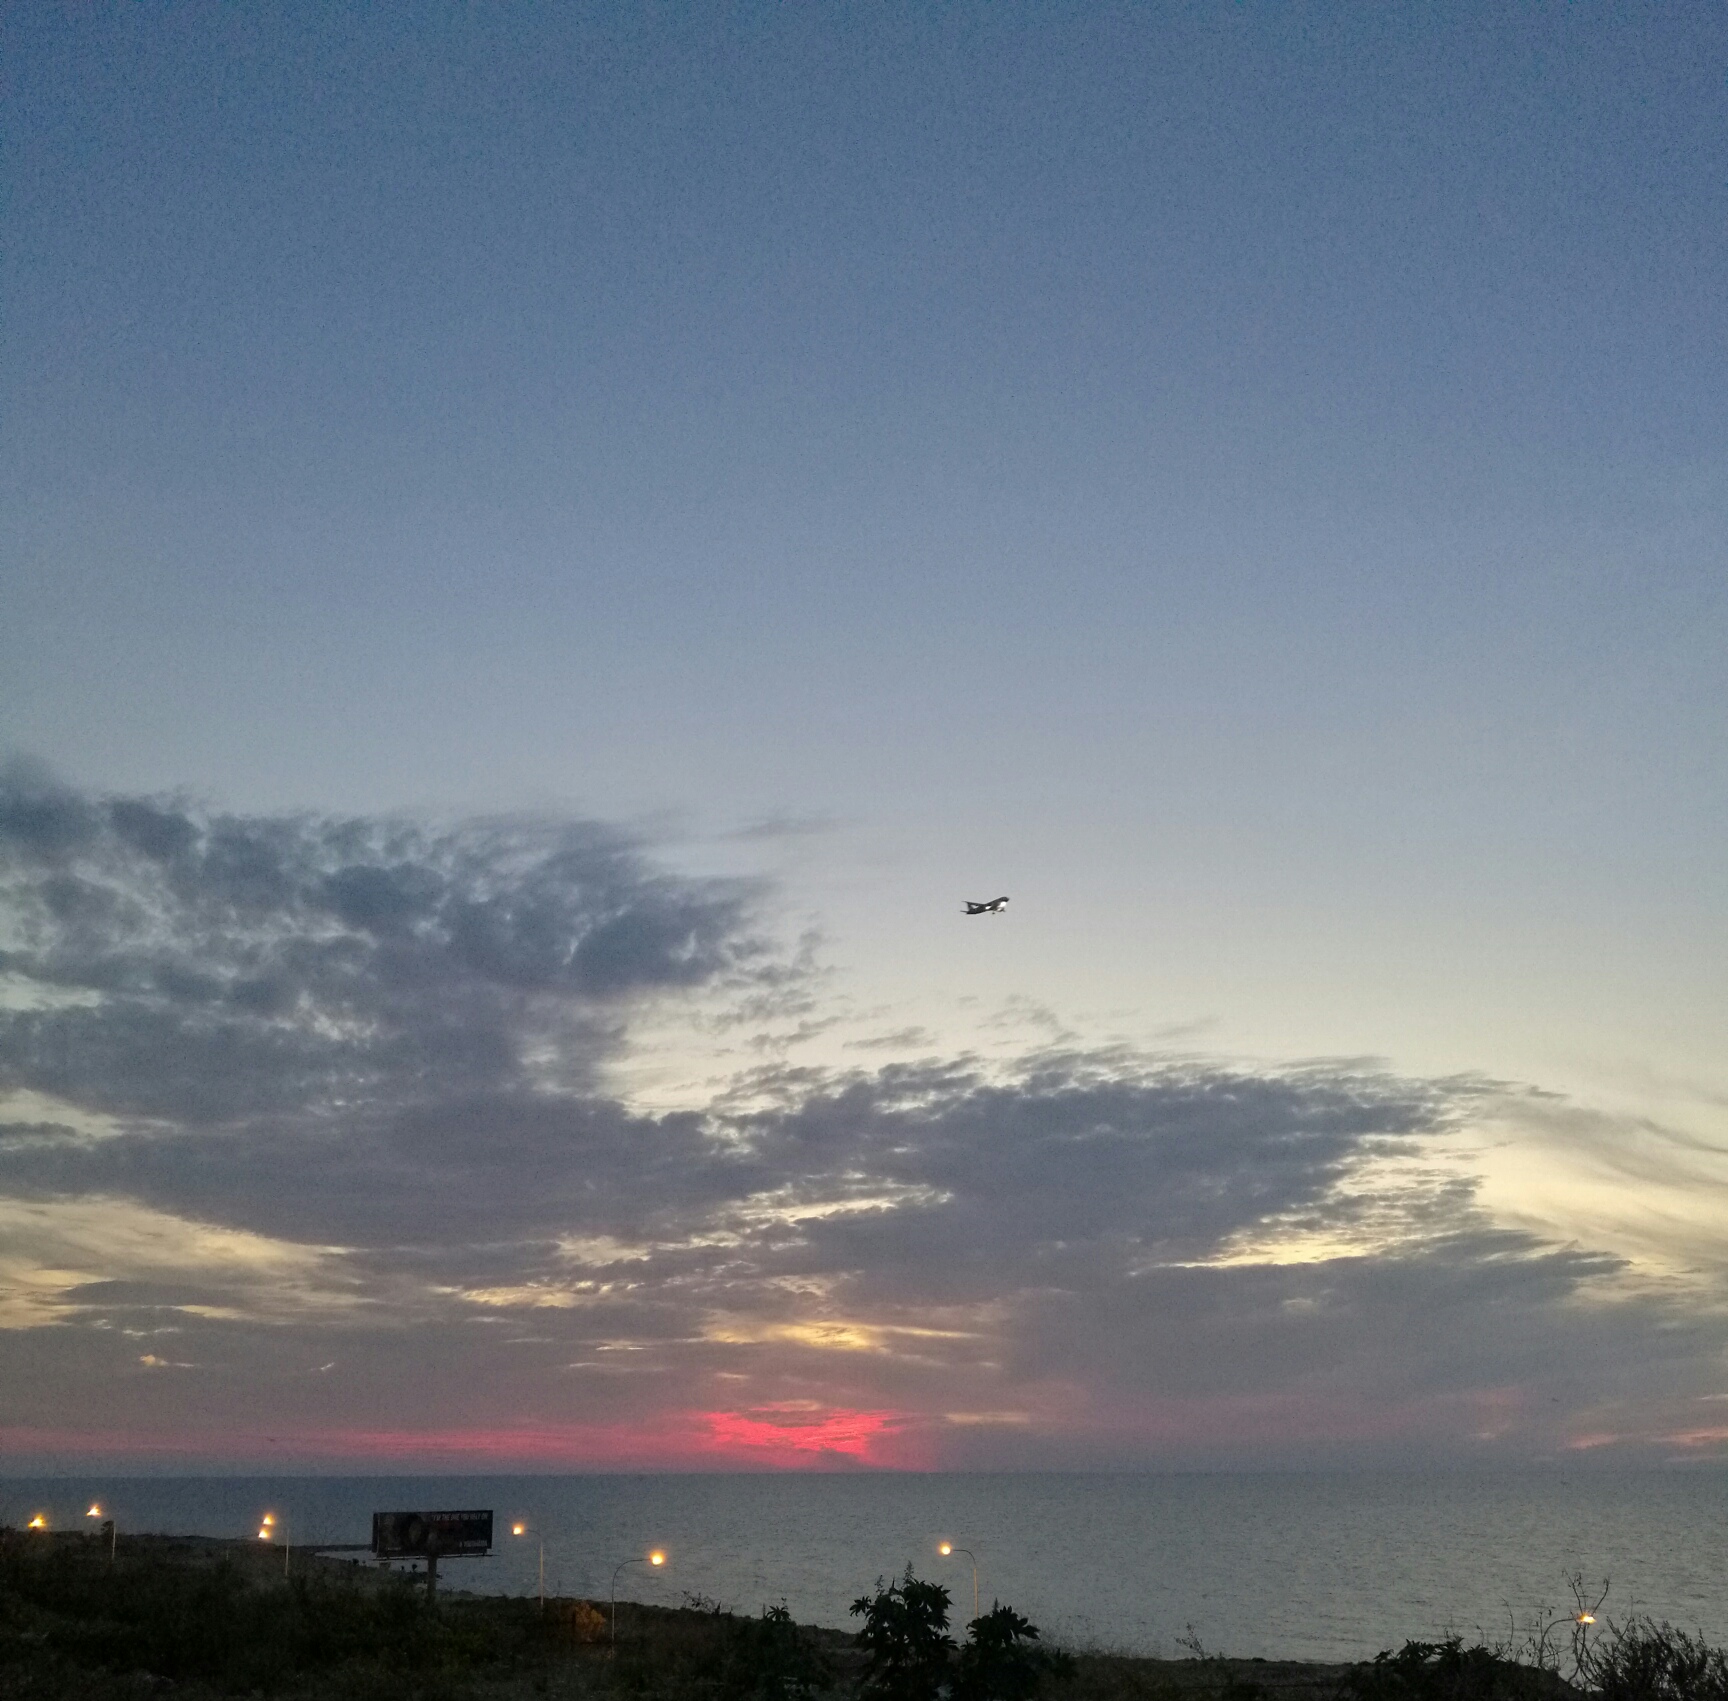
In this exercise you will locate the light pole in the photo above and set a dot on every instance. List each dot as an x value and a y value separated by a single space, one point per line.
521 1529
96 1512
947 1548
267 1533
655 1558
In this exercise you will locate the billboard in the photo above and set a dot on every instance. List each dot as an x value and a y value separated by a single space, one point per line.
428 1535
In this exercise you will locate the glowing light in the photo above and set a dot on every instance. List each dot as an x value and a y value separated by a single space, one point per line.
1586 1618
94 1512
518 1529
263 1535
269 1519
38 1522
656 1557
945 1549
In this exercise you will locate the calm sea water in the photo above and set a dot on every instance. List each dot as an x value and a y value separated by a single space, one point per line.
1285 1566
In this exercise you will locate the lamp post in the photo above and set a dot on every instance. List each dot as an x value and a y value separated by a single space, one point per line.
96 1512
267 1533
948 1548
521 1529
655 1558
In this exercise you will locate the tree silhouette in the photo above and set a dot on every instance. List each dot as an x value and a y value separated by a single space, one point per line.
906 1636
999 1662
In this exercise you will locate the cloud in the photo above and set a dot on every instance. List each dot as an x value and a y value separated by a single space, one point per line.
279 1077
97 1257
901 1039
205 968
786 827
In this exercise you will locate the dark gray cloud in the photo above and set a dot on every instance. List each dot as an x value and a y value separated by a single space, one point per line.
204 968
332 1078
1161 1161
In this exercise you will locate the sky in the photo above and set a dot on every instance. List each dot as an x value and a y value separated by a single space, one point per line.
545 550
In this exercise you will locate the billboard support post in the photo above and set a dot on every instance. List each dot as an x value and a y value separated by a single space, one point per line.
426 1535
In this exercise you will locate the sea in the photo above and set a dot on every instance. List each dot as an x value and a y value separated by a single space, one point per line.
1310 1566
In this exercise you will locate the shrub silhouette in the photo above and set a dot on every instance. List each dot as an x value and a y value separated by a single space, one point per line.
771 1659
999 1661
906 1638
1642 1660
1445 1671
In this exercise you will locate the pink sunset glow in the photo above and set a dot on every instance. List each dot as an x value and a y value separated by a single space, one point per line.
791 1436
801 1435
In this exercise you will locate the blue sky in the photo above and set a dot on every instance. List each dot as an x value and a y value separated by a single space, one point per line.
1250 482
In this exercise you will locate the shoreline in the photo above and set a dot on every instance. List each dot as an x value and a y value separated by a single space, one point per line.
567 1643
203 1617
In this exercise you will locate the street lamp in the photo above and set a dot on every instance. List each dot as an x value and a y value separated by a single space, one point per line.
655 1558
37 1523
1578 1622
96 1512
948 1548
519 1528
267 1533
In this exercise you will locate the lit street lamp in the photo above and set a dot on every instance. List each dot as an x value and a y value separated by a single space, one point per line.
96 1512
521 1529
1577 1622
267 1533
655 1558
948 1548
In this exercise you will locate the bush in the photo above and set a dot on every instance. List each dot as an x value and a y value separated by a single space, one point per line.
770 1659
1445 1671
1641 1660
999 1661
906 1640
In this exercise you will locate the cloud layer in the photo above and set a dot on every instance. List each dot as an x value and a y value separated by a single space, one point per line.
311 1134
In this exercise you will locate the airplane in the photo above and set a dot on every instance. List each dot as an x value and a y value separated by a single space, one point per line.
995 906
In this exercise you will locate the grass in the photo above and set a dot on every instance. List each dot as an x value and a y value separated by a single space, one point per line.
205 1618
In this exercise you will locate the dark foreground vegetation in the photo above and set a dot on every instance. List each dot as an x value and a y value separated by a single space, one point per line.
195 1619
